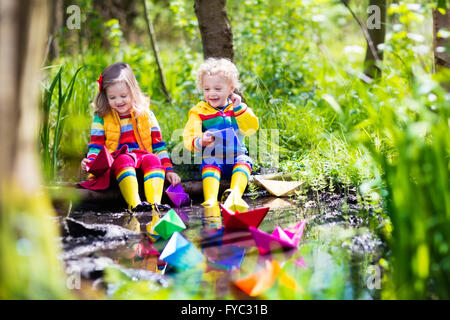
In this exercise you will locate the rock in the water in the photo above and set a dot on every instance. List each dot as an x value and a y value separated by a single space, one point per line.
77 228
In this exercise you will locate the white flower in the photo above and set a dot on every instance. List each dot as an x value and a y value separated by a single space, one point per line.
354 49
416 37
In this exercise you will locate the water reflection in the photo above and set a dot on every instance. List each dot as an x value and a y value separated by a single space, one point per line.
320 268
212 218
130 222
231 255
146 256
150 227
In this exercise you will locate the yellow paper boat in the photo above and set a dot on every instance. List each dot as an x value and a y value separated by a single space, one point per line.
235 203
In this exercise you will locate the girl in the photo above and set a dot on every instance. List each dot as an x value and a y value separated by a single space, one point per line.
218 123
124 125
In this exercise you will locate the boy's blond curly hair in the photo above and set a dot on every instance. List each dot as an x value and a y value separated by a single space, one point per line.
218 66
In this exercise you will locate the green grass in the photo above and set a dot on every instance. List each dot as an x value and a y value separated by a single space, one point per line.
55 114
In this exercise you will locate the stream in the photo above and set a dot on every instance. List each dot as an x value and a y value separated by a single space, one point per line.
108 255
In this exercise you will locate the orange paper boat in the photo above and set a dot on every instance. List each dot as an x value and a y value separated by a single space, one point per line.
258 282
243 220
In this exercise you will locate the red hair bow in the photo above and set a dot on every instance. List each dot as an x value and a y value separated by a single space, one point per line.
100 81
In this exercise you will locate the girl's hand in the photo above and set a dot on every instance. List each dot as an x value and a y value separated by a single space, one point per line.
235 99
207 139
84 164
173 178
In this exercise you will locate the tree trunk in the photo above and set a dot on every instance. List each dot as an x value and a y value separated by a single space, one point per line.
29 268
155 49
215 29
56 23
377 36
123 10
441 59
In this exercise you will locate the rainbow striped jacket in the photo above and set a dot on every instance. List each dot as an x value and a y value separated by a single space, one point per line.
138 132
204 117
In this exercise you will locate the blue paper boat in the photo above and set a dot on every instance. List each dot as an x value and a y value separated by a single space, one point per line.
226 138
232 261
181 253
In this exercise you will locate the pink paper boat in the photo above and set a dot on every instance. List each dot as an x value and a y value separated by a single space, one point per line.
102 163
280 238
177 195
243 220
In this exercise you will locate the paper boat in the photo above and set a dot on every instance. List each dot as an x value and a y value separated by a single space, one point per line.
258 282
243 220
235 202
177 195
280 238
226 135
225 140
102 163
181 253
232 259
168 224
279 188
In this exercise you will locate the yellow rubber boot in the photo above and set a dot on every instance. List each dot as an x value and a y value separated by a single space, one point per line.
211 183
233 196
153 185
210 191
129 187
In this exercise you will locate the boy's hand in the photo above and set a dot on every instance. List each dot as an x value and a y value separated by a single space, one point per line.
207 139
235 99
85 164
173 178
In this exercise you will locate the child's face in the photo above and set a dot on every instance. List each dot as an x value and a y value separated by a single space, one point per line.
119 98
216 90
